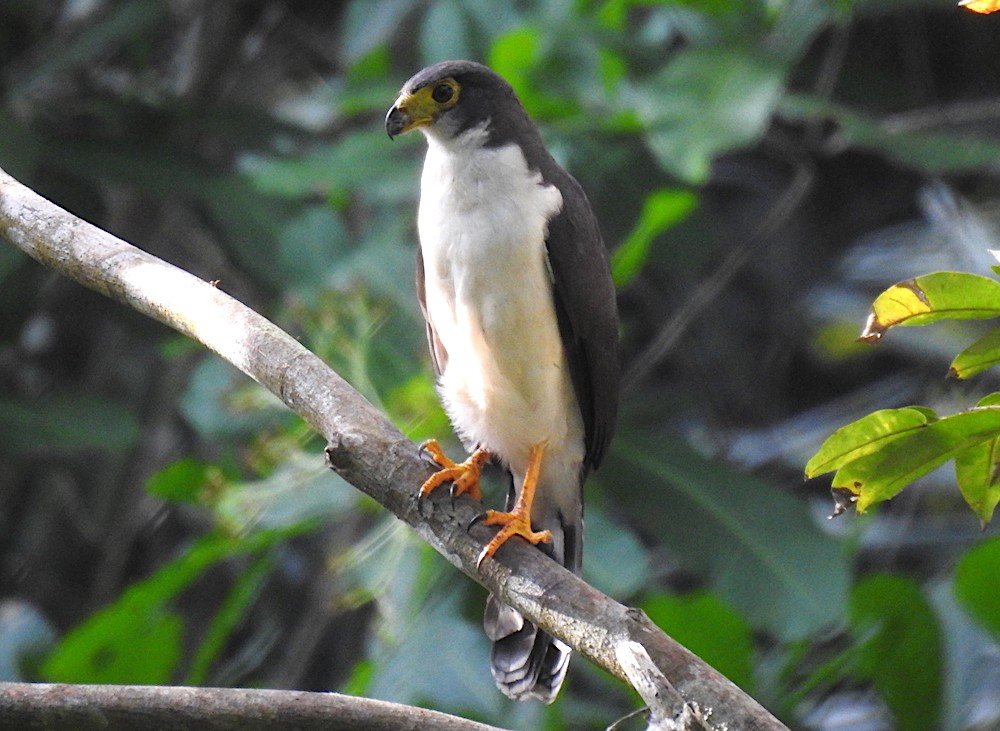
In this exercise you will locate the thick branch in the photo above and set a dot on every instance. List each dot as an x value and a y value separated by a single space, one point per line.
365 448
102 707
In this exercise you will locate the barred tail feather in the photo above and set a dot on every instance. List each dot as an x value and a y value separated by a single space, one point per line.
528 662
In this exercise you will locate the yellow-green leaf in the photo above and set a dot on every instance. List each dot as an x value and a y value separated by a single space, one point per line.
866 435
982 354
977 471
930 298
881 474
990 399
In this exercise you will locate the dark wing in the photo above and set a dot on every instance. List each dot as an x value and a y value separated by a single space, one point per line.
587 312
439 356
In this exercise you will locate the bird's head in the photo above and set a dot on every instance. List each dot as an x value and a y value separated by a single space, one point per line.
452 97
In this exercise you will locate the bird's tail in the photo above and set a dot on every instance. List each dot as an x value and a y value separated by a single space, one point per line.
528 662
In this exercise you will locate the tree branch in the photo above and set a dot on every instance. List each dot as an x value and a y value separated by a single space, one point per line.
364 447
104 707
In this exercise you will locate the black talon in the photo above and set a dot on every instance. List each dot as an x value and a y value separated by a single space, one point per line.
420 497
478 519
426 455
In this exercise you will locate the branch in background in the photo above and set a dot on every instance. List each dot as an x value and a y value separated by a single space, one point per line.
103 707
983 112
365 448
707 291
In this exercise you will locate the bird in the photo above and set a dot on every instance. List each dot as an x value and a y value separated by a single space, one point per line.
514 284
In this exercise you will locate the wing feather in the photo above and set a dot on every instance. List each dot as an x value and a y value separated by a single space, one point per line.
587 312
439 356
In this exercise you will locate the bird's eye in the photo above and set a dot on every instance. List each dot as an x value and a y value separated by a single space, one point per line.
442 93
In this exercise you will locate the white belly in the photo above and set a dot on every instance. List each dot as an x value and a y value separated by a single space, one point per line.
506 385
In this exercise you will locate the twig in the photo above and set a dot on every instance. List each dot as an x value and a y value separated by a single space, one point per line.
980 111
667 709
364 447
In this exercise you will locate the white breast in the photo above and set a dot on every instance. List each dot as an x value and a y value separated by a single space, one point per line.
482 224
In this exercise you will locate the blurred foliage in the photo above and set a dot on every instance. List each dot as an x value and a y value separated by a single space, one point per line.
710 628
761 171
138 639
976 579
899 648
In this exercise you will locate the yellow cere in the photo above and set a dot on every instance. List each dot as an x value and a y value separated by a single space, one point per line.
427 102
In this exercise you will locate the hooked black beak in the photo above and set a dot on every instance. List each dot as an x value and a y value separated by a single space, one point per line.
412 110
396 121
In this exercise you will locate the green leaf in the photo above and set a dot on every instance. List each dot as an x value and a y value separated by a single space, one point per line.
930 298
514 55
136 644
977 471
138 639
706 101
881 474
777 568
900 648
613 69
982 354
184 481
865 436
135 640
661 210
977 577
710 628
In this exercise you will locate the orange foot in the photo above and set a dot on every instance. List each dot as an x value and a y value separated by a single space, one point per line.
464 477
518 521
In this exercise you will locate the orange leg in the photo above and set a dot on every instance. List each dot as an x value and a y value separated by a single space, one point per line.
464 477
518 521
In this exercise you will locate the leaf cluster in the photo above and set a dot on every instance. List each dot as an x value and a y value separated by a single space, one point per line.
883 452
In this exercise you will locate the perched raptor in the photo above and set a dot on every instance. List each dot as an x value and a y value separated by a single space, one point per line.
514 285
